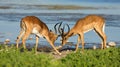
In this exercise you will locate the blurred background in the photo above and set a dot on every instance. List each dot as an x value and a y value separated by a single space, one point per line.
53 11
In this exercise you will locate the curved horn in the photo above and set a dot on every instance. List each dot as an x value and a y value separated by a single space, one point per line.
58 27
55 27
68 27
64 28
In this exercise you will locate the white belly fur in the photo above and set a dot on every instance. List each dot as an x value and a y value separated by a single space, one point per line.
34 31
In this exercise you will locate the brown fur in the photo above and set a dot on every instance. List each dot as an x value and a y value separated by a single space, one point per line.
83 25
29 23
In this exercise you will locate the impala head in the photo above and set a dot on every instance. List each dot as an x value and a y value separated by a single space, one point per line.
64 35
53 36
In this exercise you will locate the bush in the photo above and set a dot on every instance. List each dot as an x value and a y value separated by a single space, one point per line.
11 57
94 58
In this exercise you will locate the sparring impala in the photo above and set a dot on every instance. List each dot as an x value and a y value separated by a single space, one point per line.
33 25
90 22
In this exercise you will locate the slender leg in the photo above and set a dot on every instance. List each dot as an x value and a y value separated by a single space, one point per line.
82 39
103 37
55 49
78 41
19 37
36 46
53 46
27 33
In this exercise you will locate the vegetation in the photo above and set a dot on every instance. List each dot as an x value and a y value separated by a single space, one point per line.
11 57
94 58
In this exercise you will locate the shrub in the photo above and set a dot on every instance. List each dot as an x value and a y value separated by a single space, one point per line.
11 57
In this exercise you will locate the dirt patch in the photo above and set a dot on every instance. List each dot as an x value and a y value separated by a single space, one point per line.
49 50
64 51
64 54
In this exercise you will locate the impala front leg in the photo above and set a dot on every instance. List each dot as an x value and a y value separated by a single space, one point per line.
77 45
82 41
54 48
26 35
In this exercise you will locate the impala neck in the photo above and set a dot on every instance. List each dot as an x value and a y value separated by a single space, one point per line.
70 33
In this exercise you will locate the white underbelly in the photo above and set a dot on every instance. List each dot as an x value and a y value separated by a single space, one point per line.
36 32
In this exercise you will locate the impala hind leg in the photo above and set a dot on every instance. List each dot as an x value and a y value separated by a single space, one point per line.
26 35
36 46
101 33
19 37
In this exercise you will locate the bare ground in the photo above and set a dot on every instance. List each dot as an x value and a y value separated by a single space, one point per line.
64 52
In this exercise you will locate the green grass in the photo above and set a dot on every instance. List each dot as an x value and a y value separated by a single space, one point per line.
10 57
94 58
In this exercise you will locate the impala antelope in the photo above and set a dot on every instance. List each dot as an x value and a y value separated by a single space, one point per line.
33 25
83 25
